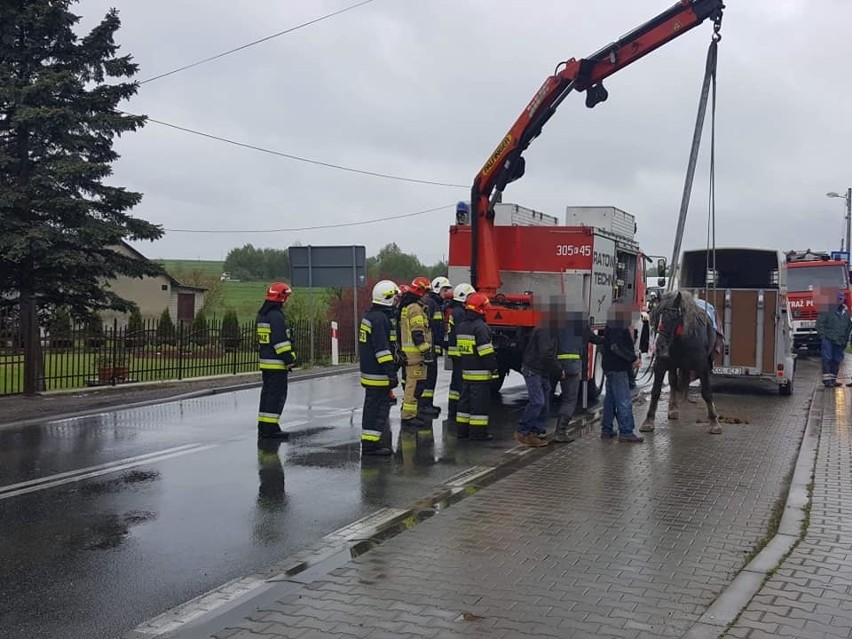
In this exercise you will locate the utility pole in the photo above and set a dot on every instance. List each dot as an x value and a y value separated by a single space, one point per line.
848 198
848 220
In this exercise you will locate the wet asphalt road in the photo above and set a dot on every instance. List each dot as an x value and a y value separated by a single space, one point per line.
109 520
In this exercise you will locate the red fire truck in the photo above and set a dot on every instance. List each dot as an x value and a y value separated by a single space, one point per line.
516 264
809 273
590 261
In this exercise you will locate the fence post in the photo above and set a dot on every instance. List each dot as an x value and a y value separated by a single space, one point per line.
114 355
335 353
235 351
180 349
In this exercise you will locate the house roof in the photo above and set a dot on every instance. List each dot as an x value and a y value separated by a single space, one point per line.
168 275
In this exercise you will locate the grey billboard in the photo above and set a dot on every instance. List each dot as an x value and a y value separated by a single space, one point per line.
328 266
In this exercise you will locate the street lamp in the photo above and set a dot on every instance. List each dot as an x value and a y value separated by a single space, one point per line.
848 198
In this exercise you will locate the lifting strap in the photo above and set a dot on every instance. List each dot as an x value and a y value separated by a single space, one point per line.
709 79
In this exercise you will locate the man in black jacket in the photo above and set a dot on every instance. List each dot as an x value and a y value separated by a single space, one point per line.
539 367
618 357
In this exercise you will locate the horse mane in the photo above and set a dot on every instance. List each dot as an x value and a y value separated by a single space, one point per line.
695 319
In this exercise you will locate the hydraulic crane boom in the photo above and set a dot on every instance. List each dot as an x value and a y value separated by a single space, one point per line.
506 163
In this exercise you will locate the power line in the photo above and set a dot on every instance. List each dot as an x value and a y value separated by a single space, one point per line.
251 44
289 156
314 228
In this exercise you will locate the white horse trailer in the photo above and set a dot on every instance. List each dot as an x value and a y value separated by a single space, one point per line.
748 288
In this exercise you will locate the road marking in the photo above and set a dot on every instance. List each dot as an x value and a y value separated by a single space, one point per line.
71 476
59 479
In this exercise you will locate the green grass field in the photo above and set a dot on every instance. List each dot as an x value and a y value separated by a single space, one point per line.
211 268
243 297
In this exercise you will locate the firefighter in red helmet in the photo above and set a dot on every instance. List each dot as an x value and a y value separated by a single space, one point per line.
277 358
479 365
416 342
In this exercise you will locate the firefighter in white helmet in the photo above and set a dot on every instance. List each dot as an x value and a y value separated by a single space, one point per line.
378 369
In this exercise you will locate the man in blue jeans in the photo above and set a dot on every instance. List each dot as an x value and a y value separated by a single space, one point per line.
540 365
618 357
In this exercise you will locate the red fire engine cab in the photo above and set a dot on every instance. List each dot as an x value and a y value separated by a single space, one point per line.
809 275
516 264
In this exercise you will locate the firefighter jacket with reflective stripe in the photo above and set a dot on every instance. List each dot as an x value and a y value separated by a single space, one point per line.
570 343
456 315
374 348
274 339
435 310
476 353
414 333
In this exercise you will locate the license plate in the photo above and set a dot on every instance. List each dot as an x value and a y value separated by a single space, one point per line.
727 370
809 324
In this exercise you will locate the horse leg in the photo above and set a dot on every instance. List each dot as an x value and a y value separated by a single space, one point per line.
648 425
675 383
707 395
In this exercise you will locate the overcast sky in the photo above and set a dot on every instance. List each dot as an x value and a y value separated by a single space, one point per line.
427 88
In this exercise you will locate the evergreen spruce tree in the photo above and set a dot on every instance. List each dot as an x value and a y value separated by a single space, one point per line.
59 100
199 330
166 329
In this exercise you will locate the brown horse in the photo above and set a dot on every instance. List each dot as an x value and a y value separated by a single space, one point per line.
684 345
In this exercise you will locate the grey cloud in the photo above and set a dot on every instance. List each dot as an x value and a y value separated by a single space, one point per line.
428 89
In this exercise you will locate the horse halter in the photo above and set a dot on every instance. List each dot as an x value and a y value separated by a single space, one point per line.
670 329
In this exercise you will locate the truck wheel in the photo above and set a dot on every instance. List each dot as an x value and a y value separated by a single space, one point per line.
786 389
497 384
596 383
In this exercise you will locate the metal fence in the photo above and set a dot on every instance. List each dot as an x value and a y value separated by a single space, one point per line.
98 355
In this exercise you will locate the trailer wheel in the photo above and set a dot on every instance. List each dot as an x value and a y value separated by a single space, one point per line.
786 389
596 383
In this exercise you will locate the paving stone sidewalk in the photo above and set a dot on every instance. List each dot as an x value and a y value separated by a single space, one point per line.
809 594
597 539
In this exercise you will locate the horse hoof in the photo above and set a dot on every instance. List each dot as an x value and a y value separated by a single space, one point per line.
646 427
674 414
715 429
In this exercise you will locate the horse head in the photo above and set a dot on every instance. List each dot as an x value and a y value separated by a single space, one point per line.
668 323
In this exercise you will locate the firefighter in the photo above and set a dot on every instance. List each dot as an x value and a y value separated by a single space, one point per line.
416 341
378 369
277 358
435 311
479 366
456 315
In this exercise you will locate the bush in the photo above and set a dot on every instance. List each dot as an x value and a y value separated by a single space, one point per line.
199 331
59 329
94 332
166 329
135 335
230 331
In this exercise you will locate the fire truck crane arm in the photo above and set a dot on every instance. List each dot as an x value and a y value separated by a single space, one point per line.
506 163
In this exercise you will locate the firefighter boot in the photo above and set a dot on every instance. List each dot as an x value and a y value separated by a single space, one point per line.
414 423
480 433
271 431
